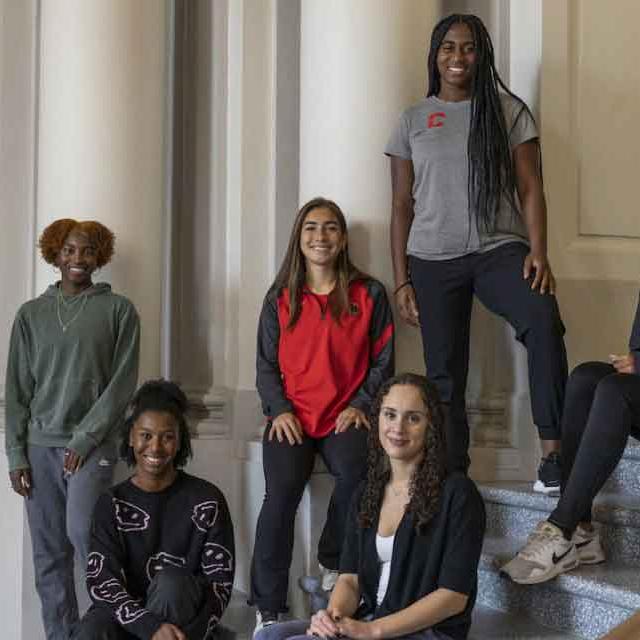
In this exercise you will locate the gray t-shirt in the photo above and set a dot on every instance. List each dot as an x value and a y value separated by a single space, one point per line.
433 135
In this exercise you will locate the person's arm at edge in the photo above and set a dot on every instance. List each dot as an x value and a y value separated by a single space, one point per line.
634 340
19 388
103 415
534 212
402 178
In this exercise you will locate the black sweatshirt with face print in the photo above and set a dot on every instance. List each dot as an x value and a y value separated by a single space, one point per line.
136 533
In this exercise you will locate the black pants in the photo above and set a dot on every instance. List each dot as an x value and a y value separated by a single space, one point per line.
602 409
287 469
444 291
173 595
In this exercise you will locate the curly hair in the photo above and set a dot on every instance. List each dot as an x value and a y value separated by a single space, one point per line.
53 238
292 273
163 396
428 478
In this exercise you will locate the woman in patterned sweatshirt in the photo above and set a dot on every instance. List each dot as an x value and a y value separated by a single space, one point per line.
161 565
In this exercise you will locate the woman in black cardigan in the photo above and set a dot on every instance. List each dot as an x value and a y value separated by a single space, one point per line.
414 537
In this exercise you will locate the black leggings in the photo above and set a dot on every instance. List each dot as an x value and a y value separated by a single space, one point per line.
444 291
602 409
173 595
287 469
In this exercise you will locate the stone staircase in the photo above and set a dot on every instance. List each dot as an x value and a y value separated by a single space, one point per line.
584 603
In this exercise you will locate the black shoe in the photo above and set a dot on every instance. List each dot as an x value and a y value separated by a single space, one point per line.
549 475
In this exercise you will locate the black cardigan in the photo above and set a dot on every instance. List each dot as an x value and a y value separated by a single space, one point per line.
446 556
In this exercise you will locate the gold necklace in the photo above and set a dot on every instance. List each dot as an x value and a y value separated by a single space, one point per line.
61 303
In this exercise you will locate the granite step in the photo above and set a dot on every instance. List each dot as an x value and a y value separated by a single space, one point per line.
514 510
492 624
588 601
626 477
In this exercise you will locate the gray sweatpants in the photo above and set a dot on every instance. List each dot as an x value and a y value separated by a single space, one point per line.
59 513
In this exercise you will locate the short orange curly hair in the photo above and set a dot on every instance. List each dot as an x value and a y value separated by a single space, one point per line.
53 237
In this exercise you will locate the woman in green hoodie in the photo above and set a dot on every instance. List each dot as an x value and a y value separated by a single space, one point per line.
72 368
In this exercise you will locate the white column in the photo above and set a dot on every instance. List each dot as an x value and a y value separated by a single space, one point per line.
362 63
102 136
99 154
18 37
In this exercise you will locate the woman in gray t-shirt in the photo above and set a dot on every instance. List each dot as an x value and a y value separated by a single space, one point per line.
469 216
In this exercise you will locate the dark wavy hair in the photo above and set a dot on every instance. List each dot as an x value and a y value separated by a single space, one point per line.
164 396
53 237
492 174
428 478
292 273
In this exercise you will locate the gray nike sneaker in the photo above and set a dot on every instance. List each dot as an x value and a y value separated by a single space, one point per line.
546 555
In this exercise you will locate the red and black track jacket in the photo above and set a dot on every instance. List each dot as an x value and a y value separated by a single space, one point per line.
319 367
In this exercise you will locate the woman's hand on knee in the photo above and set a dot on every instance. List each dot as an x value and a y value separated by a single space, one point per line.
168 632
286 426
351 416
623 364
21 482
407 306
322 625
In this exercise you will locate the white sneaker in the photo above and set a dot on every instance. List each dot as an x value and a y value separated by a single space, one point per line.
264 619
588 545
329 578
546 555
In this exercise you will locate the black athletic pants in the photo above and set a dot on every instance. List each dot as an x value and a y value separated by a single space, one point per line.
287 469
602 409
173 595
444 291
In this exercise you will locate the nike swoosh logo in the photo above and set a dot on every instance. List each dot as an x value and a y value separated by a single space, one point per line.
557 559
579 545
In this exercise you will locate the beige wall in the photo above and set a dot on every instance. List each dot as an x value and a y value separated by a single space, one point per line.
590 92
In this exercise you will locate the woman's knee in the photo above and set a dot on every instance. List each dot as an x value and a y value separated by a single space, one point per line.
586 376
613 389
97 624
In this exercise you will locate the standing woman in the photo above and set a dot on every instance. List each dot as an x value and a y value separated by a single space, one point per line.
73 365
469 216
325 345
414 534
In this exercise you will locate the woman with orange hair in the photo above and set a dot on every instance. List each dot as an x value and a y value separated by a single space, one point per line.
73 365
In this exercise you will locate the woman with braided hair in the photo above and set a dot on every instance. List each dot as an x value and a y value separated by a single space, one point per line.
72 367
469 216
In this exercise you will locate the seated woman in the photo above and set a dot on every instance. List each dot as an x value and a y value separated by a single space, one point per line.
414 535
602 409
325 345
162 554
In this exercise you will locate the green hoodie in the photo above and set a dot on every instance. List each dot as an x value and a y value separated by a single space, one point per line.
69 388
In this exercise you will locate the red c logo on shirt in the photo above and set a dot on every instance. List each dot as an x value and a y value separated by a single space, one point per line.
436 120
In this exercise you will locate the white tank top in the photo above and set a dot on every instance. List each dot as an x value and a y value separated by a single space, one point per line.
384 547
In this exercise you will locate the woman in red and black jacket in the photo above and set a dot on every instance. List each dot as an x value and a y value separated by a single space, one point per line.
325 345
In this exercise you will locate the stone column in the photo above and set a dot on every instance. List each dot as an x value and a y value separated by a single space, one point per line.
102 139
100 86
362 63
